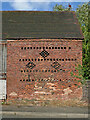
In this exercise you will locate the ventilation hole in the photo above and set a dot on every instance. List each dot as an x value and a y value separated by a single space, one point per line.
58 47
66 59
32 79
36 70
54 70
64 47
41 59
46 47
27 80
51 70
20 80
30 47
61 47
43 47
27 47
19 59
33 70
41 79
69 47
52 47
54 59
75 59
60 69
23 79
50 59
21 70
47 59
42 70
27 71
35 59
21 47
32 59
55 47
45 70
44 59
69 86
24 70
39 47
60 59
63 70
39 70
26 59
33 47
69 59
38 59
48 70
60 80
30 70
72 59
57 59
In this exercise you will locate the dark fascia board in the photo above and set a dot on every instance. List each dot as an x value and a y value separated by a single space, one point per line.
21 38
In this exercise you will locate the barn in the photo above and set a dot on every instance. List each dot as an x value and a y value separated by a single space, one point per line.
40 49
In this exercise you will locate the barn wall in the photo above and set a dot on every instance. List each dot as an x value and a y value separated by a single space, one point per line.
40 69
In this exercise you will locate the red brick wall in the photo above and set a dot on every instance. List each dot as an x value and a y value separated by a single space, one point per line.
43 81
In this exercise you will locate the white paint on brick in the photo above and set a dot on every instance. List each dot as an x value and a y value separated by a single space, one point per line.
13 94
67 91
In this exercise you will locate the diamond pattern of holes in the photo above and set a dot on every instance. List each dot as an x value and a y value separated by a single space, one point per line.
31 65
56 65
44 53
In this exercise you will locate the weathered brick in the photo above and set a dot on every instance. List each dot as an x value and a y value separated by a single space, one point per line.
44 77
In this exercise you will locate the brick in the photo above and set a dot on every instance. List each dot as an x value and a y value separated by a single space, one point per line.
29 72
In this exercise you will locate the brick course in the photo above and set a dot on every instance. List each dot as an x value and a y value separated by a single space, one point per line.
45 81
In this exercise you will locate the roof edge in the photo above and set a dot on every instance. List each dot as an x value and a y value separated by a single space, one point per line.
21 38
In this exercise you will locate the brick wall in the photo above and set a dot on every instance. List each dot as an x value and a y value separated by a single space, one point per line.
40 69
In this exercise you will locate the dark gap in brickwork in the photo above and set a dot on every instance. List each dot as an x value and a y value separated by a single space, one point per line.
48 59
59 70
24 48
31 80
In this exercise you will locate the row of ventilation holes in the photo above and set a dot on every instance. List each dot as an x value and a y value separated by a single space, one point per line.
42 70
47 59
41 80
44 48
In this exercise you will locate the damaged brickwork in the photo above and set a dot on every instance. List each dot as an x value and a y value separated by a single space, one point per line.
40 69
